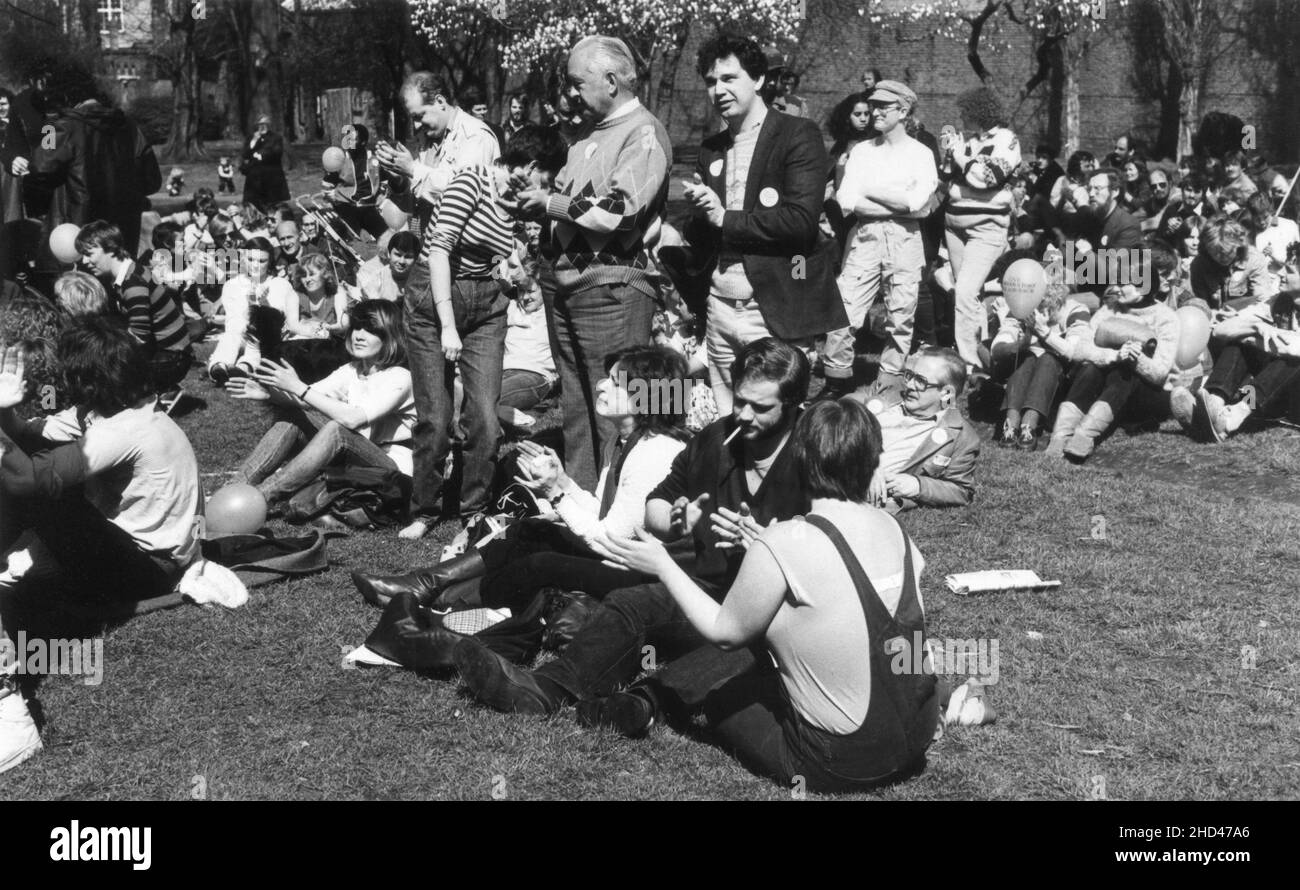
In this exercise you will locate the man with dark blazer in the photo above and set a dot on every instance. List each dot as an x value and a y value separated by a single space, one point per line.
756 200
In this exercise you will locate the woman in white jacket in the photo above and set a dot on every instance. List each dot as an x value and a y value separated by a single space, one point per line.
978 217
646 394
238 352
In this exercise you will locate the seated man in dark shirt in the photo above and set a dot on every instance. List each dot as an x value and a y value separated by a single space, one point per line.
737 473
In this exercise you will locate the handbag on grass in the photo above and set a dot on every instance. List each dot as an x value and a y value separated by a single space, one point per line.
263 559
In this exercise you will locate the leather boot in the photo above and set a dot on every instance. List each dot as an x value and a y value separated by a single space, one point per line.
424 584
1067 420
1091 428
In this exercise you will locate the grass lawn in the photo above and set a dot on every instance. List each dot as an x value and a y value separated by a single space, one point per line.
1137 676
1132 685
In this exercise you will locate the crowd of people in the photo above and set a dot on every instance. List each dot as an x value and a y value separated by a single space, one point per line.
530 263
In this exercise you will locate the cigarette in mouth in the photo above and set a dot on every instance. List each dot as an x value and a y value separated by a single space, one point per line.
734 434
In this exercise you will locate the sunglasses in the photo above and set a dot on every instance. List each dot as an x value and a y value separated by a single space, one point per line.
884 106
911 377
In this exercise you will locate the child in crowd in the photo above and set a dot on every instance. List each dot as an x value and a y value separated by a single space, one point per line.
175 182
225 176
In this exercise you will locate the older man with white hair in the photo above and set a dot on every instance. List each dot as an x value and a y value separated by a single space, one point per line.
597 277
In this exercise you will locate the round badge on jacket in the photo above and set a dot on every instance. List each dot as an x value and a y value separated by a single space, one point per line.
590 150
939 436
768 197
715 169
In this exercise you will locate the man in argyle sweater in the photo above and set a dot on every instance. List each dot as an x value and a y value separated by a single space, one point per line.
597 277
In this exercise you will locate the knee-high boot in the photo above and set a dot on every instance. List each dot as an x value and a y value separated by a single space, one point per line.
1067 420
1093 426
425 584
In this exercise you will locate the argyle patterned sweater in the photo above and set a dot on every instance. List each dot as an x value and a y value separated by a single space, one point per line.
613 187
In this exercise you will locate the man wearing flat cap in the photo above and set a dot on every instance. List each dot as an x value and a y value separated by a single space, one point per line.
264 182
888 187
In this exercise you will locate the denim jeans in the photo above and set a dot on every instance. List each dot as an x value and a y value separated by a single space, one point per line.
1118 386
480 312
585 327
1033 385
325 439
972 253
634 629
522 389
885 259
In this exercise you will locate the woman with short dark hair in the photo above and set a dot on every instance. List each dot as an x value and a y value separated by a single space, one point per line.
829 705
363 412
646 393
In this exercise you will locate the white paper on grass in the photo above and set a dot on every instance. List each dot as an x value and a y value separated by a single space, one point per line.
994 580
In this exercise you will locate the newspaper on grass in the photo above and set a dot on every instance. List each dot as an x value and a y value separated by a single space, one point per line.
996 581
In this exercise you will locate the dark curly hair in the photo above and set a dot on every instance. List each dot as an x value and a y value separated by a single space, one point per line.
661 371
104 368
839 122
982 107
724 44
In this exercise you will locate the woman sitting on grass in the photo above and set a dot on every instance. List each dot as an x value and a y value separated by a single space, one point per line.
315 347
1031 389
834 709
538 553
363 412
239 350
1135 379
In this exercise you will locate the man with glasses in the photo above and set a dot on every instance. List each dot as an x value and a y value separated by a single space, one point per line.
1161 199
929 451
889 183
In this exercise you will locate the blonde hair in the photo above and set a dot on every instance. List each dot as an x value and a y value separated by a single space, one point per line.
80 293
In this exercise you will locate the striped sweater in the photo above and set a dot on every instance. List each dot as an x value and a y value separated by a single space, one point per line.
469 226
613 187
154 316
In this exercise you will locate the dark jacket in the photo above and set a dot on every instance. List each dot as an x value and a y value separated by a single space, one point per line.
16 142
788 261
705 466
102 167
264 180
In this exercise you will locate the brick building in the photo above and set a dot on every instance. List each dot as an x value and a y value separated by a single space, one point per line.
836 51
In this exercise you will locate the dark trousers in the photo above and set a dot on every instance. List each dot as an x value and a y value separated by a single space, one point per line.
1119 386
480 310
633 630
82 553
537 553
585 327
1239 365
1033 385
168 367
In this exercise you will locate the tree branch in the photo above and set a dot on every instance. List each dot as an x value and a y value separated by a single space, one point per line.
973 42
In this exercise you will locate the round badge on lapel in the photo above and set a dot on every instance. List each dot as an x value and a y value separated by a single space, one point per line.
1104 239
715 169
875 406
590 150
768 197
939 436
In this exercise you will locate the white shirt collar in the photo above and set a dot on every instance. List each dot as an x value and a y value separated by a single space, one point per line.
122 273
626 108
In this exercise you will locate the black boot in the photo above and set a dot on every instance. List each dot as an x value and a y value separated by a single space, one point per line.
424 584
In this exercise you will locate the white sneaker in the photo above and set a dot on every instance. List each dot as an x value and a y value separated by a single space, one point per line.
19 738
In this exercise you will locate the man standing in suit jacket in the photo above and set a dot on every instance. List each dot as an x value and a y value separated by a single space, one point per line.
756 202
264 181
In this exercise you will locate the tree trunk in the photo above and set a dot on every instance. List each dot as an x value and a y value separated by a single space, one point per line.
184 142
1070 129
1189 111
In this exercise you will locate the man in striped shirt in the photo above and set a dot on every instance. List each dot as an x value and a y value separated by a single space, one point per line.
154 316
459 140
